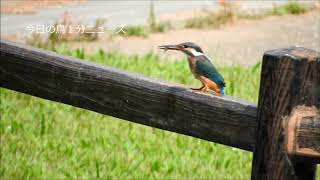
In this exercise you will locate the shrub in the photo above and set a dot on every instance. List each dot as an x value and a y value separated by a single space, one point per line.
211 19
161 27
289 8
134 30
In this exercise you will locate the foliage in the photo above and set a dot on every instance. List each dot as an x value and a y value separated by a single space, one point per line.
210 19
143 31
162 26
289 8
35 39
155 26
228 13
134 30
152 27
152 17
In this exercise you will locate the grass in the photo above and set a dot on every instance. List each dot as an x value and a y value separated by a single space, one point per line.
161 27
43 139
215 19
134 30
144 31
228 14
289 8
152 26
210 19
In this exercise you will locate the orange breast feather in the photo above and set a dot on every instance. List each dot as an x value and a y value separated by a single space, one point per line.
210 84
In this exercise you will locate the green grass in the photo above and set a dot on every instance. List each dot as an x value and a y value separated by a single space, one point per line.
228 14
134 30
210 20
161 27
43 139
289 8
144 31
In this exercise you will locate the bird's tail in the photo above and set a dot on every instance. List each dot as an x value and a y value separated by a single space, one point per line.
222 90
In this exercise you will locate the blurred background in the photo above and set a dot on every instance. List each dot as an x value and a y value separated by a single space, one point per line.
231 32
42 139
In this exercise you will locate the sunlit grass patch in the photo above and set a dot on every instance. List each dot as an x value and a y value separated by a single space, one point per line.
134 30
289 8
210 19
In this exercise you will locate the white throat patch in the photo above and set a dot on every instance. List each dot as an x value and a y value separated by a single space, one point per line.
196 53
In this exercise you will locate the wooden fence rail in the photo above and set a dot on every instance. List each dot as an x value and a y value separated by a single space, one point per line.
175 108
127 96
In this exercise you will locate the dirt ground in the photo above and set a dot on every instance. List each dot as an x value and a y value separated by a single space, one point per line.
243 42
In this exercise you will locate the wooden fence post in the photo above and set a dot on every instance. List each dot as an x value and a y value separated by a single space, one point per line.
290 78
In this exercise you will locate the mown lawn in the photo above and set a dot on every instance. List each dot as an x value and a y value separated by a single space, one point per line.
44 139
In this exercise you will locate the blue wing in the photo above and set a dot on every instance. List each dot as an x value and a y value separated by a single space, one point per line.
205 68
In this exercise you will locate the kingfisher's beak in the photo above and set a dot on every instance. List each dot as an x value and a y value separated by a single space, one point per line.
170 47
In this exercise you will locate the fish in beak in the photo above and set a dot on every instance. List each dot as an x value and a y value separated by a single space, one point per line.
170 47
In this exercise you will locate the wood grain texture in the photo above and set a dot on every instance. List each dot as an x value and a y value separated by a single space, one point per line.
290 77
308 137
127 96
303 132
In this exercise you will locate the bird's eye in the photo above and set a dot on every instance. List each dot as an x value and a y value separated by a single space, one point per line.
185 46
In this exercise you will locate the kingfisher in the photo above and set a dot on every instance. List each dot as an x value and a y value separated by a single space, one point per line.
200 66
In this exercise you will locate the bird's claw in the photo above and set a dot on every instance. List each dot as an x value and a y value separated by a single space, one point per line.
196 89
202 89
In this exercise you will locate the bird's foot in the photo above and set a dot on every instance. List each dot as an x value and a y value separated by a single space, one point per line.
202 89
196 89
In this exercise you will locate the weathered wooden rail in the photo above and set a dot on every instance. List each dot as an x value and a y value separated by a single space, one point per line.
127 96
226 120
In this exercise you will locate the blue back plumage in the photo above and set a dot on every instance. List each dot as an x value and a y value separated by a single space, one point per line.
205 68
